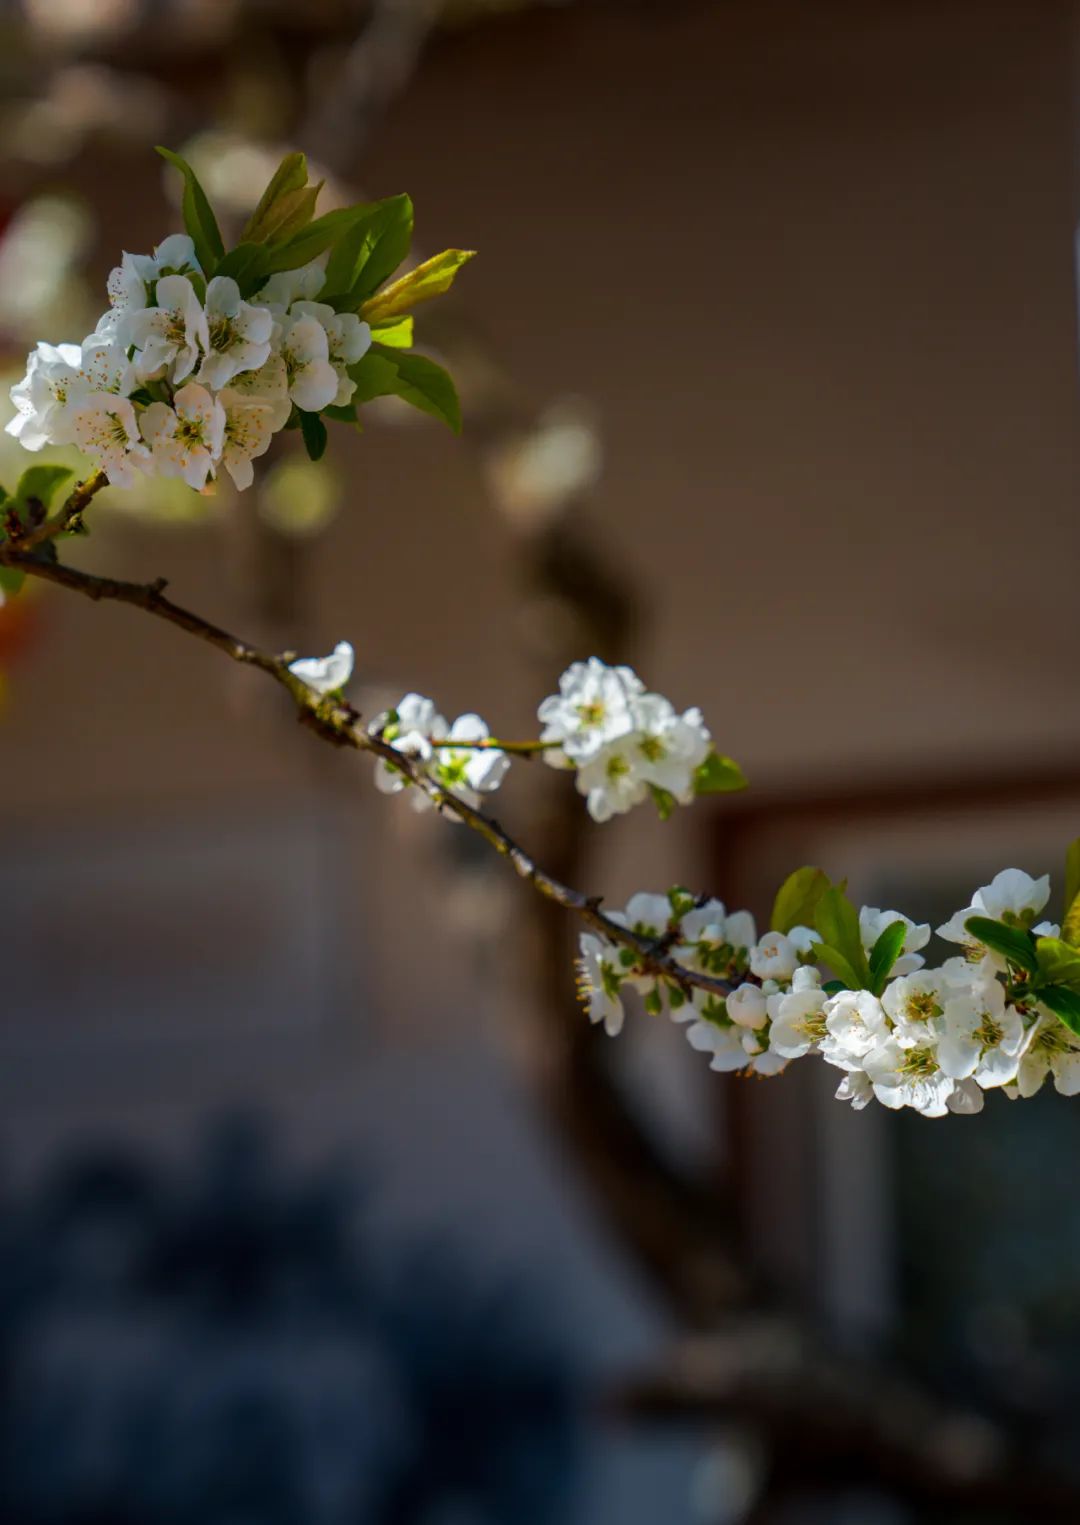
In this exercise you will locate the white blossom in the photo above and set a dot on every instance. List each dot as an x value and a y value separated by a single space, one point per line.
129 284
249 428
326 675
312 380
799 1025
966 1098
410 729
269 386
106 429
746 1006
1051 1049
715 1034
915 1003
289 286
670 746
1011 896
348 340
186 440
611 780
591 708
468 772
238 335
599 981
981 1035
43 399
762 1058
873 922
855 1022
740 931
774 957
908 1077
172 335
856 1089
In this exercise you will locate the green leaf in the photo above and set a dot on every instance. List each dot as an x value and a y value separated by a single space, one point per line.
1064 1004
1072 872
428 280
290 176
836 961
1015 946
370 251
314 431
797 898
385 372
884 953
199 219
342 415
837 923
396 332
249 266
664 801
291 213
1070 926
718 775
11 580
38 484
306 245
1059 964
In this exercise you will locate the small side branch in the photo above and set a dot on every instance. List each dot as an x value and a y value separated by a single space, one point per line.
338 722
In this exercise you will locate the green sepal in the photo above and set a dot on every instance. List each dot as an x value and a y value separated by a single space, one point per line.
664 801
385 372
653 1002
681 901
1015 946
199 219
797 899
884 953
1064 1003
431 279
314 432
718 775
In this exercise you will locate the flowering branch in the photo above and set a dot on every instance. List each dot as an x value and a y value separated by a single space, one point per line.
339 722
203 355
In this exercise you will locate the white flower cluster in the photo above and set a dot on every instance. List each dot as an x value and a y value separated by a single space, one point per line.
621 740
933 1040
442 751
182 376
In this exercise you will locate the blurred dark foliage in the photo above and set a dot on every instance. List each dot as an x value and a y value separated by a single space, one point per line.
232 1345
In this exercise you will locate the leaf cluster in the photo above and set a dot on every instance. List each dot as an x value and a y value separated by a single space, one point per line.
364 247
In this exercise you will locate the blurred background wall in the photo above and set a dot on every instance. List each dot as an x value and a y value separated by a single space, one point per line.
796 284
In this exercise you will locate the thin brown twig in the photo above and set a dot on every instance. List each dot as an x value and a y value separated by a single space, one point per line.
338 722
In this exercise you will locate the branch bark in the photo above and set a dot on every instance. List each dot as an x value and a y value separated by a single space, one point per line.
337 721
